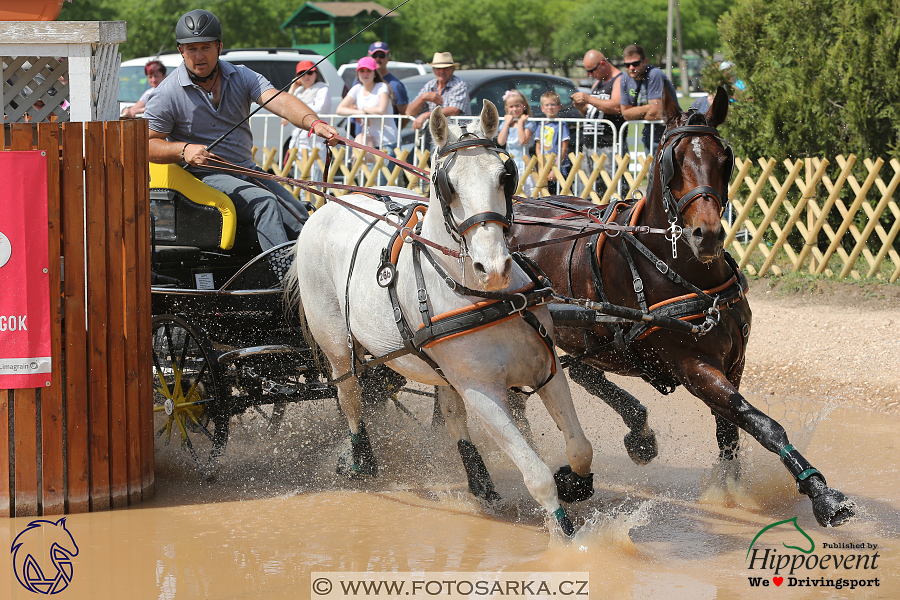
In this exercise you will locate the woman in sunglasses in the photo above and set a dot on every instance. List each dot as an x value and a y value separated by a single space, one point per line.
312 90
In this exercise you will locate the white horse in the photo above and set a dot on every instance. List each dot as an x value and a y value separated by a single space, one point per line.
479 365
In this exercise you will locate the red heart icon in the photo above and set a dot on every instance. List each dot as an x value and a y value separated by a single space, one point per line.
778 580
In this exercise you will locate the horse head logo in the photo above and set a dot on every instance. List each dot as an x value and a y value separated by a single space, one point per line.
42 556
812 544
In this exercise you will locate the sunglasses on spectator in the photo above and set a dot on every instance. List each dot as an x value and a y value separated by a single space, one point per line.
597 66
634 64
313 72
379 55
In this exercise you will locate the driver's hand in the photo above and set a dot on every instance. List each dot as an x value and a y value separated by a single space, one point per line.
196 155
326 131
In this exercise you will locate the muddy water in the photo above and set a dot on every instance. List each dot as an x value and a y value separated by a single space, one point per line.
673 529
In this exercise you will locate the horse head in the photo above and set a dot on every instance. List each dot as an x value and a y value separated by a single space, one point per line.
694 165
470 181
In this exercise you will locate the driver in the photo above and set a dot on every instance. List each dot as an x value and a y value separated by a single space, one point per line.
203 99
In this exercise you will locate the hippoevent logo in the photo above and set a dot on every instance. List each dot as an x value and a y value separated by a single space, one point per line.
773 566
42 556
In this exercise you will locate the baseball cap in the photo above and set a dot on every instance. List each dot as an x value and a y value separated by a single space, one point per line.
303 65
378 47
367 62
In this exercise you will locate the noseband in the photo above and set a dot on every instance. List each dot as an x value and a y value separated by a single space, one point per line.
441 182
670 140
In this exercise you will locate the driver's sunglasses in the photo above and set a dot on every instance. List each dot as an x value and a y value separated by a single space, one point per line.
634 64
379 55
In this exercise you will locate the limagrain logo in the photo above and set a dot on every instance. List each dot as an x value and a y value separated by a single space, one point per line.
792 569
30 550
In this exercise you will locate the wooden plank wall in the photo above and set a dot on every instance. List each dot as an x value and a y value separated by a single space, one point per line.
85 442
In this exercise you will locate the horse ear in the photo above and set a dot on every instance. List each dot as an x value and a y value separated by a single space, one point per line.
490 119
716 114
671 110
440 131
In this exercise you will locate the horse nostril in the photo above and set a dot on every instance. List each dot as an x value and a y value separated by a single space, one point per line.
697 233
479 268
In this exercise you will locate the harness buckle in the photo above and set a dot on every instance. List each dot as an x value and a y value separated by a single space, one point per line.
422 295
398 315
521 311
638 284
406 235
662 267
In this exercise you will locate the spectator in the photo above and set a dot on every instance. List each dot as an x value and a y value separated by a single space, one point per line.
553 137
703 103
312 90
446 90
602 103
205 98
371 96
642 92
382 54
155 72
516 131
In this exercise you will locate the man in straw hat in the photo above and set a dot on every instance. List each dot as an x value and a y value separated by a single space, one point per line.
446 90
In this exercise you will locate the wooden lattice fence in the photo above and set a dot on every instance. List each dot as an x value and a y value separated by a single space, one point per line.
837 219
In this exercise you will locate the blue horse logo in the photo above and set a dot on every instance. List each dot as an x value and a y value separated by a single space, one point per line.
30 550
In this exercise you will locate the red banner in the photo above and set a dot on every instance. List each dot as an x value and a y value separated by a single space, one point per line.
24 280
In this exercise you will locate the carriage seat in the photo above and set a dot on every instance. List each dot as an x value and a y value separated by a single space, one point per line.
189 213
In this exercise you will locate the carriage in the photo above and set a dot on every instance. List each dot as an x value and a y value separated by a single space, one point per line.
223 343
204 374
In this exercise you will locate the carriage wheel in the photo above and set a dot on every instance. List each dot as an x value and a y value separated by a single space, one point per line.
190 410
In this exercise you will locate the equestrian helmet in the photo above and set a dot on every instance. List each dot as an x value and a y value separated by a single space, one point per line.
198 26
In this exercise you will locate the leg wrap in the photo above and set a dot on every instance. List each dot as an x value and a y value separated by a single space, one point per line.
363 458
798 466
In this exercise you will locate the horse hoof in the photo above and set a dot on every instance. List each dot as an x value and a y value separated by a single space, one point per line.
354 470
830 507
572 487
565 523
641 448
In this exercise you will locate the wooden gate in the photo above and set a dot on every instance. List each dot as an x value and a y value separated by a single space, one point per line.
85 442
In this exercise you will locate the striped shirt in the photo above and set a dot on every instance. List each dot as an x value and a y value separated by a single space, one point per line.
455 94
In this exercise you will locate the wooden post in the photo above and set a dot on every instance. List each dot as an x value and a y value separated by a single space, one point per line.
95 448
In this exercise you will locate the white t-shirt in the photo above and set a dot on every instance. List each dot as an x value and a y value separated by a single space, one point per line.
371 101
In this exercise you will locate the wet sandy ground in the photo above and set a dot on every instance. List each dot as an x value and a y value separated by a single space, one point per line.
669 530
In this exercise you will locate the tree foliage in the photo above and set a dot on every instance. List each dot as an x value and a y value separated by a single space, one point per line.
479 33
821 77
610 25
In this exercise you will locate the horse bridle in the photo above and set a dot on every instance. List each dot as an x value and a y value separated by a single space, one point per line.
444 190
675 206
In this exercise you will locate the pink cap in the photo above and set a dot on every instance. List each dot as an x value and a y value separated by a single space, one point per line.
366 62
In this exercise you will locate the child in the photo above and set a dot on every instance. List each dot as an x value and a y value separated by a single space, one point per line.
516 132
553 137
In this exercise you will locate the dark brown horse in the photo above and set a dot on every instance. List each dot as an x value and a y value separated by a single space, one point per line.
701 285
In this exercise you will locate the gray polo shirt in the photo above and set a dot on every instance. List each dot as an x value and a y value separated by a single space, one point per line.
183 111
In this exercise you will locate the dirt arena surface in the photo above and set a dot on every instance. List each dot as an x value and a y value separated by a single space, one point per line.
831 339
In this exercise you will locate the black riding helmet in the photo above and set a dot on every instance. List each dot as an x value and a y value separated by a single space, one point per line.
198 26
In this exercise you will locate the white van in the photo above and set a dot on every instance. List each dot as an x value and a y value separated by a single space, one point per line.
278 65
